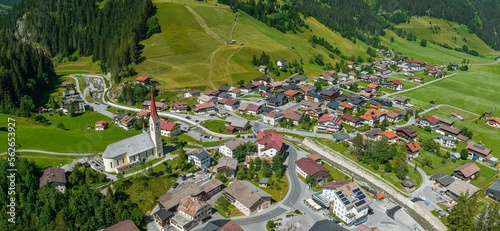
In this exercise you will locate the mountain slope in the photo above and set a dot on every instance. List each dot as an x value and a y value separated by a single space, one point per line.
445 32
194 47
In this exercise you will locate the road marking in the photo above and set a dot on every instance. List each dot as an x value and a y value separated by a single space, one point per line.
284 207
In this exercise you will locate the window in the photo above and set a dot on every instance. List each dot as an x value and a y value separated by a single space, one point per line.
111 164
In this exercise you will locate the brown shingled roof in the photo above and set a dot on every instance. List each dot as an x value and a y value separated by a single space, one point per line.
310 166
191 205
126 225
53 175
244 194
468 169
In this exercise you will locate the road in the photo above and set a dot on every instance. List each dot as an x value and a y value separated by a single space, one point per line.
376 180
292 197
49 152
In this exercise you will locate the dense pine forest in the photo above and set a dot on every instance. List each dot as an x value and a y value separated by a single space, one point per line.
35 31
366 19
80 208
481 16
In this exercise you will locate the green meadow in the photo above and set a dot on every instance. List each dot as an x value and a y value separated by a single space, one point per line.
75 139
194 48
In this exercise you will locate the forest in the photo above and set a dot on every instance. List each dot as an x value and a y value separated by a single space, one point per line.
479 15
36 31
81 207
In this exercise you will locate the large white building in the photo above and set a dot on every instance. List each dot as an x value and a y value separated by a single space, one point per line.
347 201
199 158
133 151
269 143
228 148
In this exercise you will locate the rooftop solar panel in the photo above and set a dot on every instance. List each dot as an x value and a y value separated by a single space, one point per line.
478 146
359 202
361 197
338 192
356 190
341 196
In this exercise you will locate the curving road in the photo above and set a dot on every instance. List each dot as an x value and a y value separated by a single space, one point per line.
292 197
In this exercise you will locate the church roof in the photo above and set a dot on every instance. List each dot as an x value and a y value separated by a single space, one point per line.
130 146
154 114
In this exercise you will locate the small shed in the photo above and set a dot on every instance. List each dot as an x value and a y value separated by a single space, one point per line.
264 182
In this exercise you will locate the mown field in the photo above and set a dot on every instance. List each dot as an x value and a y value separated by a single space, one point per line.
194 47
451 33
475 91
83 65
75 139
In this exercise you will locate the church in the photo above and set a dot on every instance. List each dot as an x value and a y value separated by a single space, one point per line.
131 152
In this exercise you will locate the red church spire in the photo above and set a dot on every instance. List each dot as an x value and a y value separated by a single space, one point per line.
153 105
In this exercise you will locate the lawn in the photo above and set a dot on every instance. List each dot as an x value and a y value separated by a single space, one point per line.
432 53
390 177
75 139
463 90
44 160
83 65
194 49
215 126
335 173
249 116
451 33
486 174
474 91
276 195
145 191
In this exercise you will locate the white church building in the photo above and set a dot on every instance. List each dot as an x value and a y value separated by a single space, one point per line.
133 151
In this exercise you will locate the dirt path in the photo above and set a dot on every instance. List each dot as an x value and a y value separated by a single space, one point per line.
204 25
232 29
231 82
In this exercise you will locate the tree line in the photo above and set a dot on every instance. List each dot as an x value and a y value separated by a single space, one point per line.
35 31
80 208
479 15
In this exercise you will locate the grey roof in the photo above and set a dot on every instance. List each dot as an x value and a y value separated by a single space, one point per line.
276 98
340 136
236 122
164 214
226 162
200 154
264 180
233 144
333 105
326 225
446 138
495 186
458 187
300 78
443 179
215 225
307 103
449 122
292 87
130 146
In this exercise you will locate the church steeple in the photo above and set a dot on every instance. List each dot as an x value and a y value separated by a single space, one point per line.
154 127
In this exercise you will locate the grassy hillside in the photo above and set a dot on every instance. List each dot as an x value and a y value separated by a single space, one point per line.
194 50
451 33
83 65
75 139
432 53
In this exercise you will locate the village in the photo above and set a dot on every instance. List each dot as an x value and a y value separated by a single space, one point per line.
258 130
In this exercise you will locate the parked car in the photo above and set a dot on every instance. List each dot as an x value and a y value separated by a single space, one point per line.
175 185
183 177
